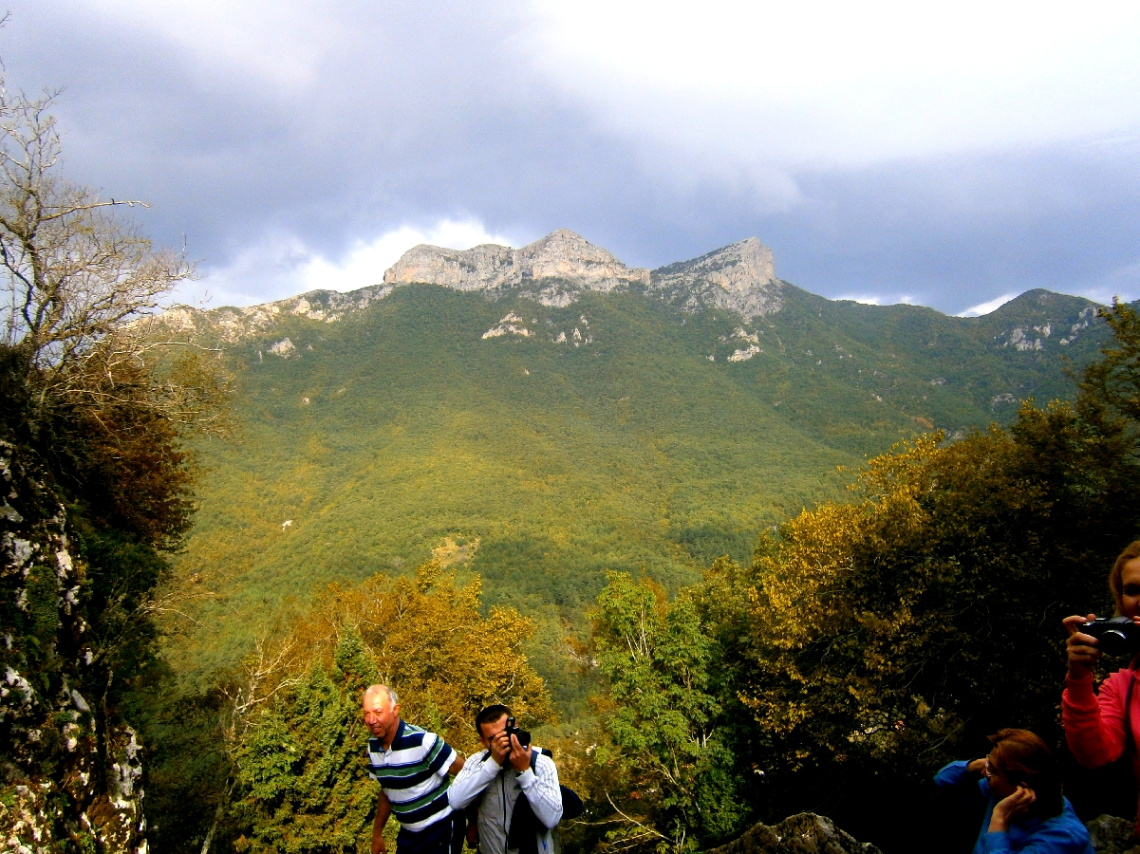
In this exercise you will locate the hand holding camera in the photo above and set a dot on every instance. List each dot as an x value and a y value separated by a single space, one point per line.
521 734
520 746
1091 636
512 743
1114 635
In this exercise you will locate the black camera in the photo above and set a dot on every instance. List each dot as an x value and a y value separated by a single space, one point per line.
1114 635
521 734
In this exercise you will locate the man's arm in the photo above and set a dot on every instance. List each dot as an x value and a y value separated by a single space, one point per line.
457 765
383 811
472 780
542 791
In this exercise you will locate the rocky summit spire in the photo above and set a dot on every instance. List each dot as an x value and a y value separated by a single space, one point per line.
740 277
552 270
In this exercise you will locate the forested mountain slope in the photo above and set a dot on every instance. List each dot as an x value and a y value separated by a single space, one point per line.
543 427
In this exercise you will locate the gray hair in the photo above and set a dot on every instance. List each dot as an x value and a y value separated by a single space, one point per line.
393 700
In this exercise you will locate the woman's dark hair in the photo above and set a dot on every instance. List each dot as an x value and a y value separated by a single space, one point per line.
1026 760
1115 578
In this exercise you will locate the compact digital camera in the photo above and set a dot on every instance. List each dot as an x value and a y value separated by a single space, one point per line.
521 734
1114 635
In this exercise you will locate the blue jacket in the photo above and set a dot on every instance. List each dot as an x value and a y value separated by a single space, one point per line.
1058 834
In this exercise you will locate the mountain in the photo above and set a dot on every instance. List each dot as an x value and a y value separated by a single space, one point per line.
546 414
740 278
554 270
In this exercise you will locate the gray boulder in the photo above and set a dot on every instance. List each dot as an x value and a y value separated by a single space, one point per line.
1112 835
806 833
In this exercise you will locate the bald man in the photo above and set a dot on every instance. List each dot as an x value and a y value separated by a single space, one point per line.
412 767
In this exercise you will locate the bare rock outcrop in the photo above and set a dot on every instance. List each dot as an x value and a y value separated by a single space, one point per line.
1112 835
233 324
740 277
69 782
553 270
805 833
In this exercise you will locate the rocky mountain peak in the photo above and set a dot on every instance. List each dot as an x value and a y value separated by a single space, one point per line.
740 277
553 270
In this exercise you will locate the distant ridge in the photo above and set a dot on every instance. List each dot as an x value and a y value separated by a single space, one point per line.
556 269
740 277
559 269
553 270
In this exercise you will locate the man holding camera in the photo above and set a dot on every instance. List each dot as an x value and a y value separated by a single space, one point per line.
520 801
412 767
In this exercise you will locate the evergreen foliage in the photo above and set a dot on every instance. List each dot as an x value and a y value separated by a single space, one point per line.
301 777
296 736
870 641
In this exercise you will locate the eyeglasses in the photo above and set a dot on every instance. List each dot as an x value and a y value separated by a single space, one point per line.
991 770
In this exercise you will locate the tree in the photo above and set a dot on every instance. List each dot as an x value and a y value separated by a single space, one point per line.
96 400
301 773
1109 389
75 273
935 602
81 346
681 789
301 783
892 634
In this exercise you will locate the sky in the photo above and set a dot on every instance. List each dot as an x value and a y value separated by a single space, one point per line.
951 155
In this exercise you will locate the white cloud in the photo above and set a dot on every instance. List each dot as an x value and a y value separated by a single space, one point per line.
986 307
282 265
877 299
365 263
828 83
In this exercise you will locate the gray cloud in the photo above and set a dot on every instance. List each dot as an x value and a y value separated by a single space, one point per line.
393 115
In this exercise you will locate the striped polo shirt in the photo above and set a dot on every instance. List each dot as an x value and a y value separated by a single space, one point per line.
413 773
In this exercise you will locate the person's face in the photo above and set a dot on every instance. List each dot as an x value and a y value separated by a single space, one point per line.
1000 784
1130 588
380 716
488 731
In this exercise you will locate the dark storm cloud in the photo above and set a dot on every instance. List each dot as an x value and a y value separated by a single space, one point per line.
958 231
415 113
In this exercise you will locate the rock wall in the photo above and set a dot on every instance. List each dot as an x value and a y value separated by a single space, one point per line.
740 278
64 785
1112 835
553 270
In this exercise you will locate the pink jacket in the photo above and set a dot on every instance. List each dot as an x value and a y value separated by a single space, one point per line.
1094 723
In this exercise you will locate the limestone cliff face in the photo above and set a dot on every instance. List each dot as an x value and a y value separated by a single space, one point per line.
740 277
233 324
69 783
553 270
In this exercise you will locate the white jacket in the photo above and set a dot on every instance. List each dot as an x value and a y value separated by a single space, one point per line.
501 786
